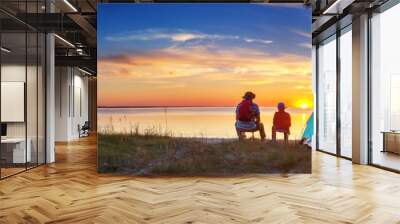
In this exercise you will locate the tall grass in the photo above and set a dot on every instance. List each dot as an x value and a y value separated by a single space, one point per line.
152 152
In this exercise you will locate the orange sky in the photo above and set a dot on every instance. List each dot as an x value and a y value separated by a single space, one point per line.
203 76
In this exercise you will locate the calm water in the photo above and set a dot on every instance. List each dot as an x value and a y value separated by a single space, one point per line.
212 122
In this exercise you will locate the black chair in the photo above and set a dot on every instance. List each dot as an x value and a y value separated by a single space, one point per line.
84 130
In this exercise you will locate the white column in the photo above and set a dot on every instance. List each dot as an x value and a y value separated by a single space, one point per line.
50 99
314 90
360 89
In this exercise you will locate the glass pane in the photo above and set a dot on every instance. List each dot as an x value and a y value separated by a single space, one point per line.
31 97
13 86
346 93
327 96
41 98
23 90
386 89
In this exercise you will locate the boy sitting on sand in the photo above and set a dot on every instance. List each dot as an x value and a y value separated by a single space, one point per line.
281 123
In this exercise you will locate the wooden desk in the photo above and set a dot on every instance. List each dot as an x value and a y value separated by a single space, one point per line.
19 155
391 141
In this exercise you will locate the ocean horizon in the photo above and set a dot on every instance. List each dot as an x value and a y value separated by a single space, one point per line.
190 121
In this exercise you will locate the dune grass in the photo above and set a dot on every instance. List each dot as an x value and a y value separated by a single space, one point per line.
151 153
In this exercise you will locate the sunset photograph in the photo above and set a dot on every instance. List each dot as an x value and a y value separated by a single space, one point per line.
187 72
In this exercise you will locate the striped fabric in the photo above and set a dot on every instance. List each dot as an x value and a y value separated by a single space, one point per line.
244 125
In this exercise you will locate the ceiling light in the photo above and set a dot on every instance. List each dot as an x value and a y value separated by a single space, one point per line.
84 71
70 5
333 6
79 51
64 40
337 7
5 50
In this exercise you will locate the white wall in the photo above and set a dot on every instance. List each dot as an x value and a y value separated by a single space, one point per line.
71 87
62 81
14 73
80 109
33 126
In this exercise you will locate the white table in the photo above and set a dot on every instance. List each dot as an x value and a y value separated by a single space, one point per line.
19 153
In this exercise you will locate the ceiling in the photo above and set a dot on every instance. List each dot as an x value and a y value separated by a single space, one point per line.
75 22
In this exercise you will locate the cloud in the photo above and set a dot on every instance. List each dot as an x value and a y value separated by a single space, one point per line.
301 33
182 37
201 75
179 36
305 45
174 35
249 40
201 63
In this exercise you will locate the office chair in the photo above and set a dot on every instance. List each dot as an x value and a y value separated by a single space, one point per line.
84 130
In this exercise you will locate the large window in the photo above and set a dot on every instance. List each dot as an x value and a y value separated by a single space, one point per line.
13 88
22 88
334 63
346 92
327 95
385 88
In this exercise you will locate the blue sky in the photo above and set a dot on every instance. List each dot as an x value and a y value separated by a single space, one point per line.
285 27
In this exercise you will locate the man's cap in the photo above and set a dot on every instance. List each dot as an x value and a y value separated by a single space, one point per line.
249 95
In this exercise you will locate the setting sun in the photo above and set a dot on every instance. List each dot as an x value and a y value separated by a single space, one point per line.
303 104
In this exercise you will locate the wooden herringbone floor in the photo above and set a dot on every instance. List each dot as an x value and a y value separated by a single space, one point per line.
70 191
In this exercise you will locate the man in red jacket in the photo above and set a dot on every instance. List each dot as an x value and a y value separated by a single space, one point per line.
248 117
281 123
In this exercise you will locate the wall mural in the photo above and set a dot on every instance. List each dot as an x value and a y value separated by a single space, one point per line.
204 89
